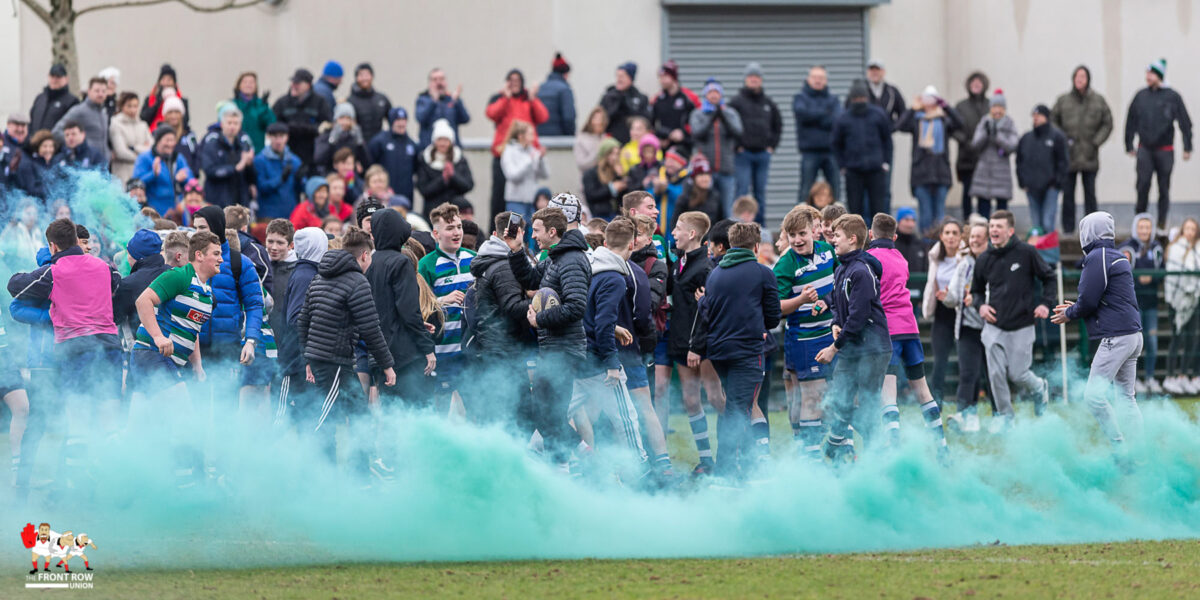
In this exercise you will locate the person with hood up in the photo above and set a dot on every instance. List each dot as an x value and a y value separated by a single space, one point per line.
371 106
1084 117
227 160
1146 253
314 209
443 173
393 280
310 246
995 139
1152 116
1042 169
513 103
862 147
762 128
717 130
54 101
163 170
1108 304
971 110
622 100
153 108
500 341
339 312
256 112
556 95
816 109
343 132
303 112
562 343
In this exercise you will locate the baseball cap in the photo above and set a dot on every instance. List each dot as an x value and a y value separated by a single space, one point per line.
397 113
58 70
875 63
17 117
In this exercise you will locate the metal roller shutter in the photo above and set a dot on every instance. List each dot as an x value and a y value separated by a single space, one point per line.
718 41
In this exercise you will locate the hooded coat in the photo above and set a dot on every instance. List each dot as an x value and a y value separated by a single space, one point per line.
393 280
1106 302
311 244
857 308
971 110
567 271
995 142
556 95
338 312
500 304
1145 256
862 138
1084 117
606 303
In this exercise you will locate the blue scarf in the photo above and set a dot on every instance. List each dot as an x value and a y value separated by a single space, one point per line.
932 133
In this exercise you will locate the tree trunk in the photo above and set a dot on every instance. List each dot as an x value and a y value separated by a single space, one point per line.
63 49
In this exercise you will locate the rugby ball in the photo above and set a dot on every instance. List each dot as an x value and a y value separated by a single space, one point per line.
543 299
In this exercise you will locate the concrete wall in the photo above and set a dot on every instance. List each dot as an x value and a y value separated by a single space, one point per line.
1027 47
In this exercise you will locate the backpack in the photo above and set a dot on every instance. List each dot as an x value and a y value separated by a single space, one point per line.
660 311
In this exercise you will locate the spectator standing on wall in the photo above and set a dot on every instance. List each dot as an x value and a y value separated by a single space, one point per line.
816 109
669 110
971 110
932 123
559 100
995 139
1084 117
437 102
513 103
623 100
762 127
1152 116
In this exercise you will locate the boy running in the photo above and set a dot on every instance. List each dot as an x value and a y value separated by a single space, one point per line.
906 339
1108 304
860 336
803 275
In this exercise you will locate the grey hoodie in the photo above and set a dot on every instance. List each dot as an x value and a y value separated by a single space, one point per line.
311 244
1096 226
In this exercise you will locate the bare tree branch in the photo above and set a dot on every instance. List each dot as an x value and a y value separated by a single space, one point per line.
38 10
225 5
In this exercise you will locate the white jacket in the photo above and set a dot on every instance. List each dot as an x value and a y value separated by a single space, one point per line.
522 169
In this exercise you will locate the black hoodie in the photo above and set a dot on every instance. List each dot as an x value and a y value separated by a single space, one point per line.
1004 279
393 280
856 306
338 312
971 110
566 271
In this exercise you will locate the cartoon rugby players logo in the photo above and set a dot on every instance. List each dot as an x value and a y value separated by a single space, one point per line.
47 544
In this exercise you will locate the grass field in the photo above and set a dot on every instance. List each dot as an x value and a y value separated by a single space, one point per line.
1120 570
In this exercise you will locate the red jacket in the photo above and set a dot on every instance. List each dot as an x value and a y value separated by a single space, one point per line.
503 111
305 214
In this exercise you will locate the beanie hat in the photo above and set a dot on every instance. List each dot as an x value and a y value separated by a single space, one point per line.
700 167
313 184
135 184
442 129
543 191
674 155
649 140
174 103
215 218
112 73
193 185
144 243
1159 67
608 144
332 69
167 69
227 108
343 109
366 66
629 67
399 200
752 69
930 92
858 89
559 65
397 113
670 68
569 204
998 98
1042 109
712 84
368 207
161 132
906 213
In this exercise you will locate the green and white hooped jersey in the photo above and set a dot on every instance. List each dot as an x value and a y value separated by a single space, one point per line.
792 273
186 305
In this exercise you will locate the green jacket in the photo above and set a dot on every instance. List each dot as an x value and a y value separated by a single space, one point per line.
1087 122
256 116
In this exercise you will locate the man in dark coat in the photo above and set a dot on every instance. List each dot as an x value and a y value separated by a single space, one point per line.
762 127
1042 168
1084 117
438 102
816 109
556 95
54 101
371 107
227 159
1152 116
862 146
971 111
623 100
303 112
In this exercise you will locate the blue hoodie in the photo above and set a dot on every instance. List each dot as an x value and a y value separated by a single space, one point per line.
606 300
740 304
857 309
277 193
1107 302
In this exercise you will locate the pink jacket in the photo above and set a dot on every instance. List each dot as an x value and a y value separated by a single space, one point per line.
893 288
81 299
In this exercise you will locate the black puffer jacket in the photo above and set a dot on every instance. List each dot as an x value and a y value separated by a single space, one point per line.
500 304
338 312
394 286
370 109
567 272
688 332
